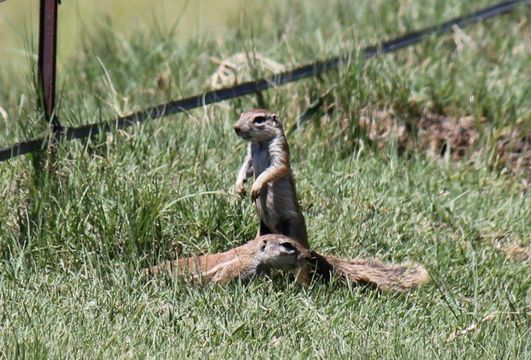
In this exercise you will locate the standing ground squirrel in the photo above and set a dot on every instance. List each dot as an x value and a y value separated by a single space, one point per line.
256 257
273 190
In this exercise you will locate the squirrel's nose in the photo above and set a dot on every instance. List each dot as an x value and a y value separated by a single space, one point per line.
237 129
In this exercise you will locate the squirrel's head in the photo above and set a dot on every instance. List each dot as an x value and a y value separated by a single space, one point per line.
258 125
280 252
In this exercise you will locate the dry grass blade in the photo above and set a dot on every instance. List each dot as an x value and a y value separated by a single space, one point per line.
515 252
236 69
471 327
3 112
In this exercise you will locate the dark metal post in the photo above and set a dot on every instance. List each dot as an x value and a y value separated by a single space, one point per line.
47 61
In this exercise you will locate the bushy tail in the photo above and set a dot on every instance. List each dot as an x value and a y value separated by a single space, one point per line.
384 276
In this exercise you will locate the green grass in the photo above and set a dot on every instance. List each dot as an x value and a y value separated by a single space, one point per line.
77 226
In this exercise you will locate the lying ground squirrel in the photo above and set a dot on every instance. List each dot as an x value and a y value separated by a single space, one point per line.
273 190
269 252
275 197
256 257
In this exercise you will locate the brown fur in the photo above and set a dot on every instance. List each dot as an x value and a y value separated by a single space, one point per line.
395 277
255 258
273 190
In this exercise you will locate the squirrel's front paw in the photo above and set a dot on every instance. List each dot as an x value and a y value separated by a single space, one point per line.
255 191
240 189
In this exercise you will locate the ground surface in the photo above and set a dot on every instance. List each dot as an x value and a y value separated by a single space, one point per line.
421 155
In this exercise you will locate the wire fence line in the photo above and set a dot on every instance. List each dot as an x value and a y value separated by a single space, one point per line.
252 87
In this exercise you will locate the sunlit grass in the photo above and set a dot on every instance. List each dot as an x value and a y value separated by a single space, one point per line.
78 225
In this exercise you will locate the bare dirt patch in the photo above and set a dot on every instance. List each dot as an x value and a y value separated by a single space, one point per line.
513 150
436 133
443 135
452 137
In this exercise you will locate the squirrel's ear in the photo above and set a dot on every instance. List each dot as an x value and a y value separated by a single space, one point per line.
274 118
263 246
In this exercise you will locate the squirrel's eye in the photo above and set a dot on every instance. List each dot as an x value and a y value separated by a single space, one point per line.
262 248
259 120
288 246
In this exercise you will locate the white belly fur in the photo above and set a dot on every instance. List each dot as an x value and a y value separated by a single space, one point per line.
276 202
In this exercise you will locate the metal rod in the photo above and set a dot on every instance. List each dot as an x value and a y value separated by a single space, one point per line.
47 61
